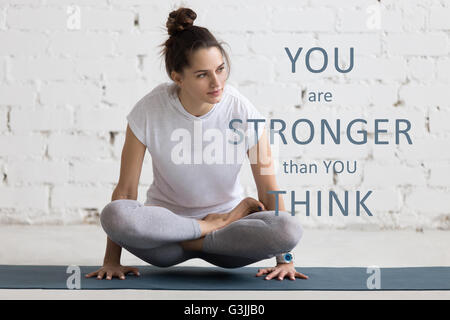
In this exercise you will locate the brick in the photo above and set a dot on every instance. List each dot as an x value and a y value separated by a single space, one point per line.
414 18
101 119
274 44
439 120
125 94
106 20
25 197
20 43
41 171
81 44
2 69
23 95
274 96
439 173
77 146
42 119
425 95
2 18
23 18
381 199
428 201
145 43
3 119
252 69
99 171
443 70
425 148
363 44
22 145
75 196
387 69
239 44
380 175
111 68
341 3
154 17
416 117
57 94
41 68
249 18
421 69
383 95
360 21
81 3
154 69
417 44
439 18
301 20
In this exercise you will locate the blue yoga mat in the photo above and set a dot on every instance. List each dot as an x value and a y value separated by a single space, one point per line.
216 278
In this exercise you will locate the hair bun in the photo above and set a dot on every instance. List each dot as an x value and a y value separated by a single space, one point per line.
180 20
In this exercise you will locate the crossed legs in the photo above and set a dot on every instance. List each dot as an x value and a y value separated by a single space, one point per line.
163 238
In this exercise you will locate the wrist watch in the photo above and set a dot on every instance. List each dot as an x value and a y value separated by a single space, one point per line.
286 257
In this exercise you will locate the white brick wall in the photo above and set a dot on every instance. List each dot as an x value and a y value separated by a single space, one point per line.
65 92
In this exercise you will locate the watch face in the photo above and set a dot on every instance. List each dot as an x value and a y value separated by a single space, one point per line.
288 257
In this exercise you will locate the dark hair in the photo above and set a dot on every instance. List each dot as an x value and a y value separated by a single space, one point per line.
184 39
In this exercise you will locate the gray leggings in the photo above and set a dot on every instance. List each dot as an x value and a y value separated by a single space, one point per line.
153 233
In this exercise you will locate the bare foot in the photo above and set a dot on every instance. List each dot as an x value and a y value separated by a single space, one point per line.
244 208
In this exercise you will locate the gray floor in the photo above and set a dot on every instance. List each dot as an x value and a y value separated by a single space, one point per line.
85 245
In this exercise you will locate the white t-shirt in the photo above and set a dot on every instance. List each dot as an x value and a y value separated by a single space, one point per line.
192 173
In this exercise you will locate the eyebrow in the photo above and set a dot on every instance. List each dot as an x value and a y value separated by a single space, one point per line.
207 70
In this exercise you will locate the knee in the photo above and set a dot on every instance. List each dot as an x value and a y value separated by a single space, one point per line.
289 230
110 217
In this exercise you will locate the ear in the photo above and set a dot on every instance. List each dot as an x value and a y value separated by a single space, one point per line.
176 77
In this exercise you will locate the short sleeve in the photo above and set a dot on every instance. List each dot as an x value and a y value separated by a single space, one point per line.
253 113
137 120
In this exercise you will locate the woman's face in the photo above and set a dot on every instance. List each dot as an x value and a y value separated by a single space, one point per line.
207 73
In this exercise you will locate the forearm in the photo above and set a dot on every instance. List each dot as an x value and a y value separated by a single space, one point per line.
269 201
113 250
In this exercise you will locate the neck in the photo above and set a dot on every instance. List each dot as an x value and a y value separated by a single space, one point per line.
191 106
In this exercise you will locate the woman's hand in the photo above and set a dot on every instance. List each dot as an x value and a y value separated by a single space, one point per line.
281 270
111 270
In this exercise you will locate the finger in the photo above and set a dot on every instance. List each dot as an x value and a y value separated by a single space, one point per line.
260 272
301 275
281 275
108 275
91 274
132 270
262 206
121 276
272 274
292 276
100 274
263 271
136 271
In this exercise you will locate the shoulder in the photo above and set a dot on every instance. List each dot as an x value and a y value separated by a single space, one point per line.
240 102
155 98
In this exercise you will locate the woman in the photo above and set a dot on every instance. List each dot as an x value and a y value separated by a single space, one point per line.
194 209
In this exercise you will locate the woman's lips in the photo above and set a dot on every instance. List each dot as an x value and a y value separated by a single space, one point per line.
215 93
